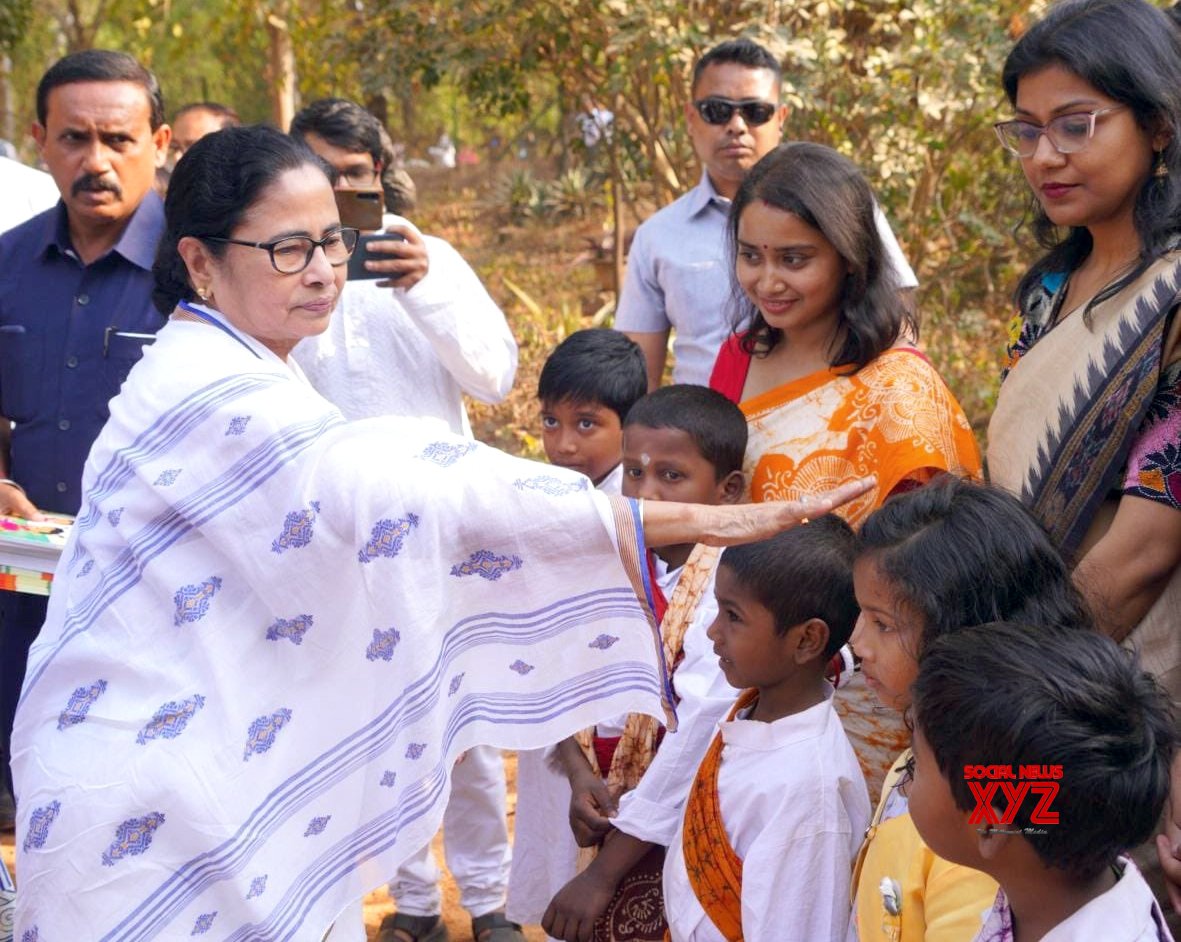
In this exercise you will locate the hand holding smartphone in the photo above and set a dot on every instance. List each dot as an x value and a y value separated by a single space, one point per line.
361 255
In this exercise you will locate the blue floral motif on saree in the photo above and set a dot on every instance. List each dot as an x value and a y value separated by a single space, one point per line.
39 823
192 601
261 735
171 719
132 838
386 538
487 565
297 528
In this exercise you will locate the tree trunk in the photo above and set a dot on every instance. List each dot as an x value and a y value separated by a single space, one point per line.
7 116
282 68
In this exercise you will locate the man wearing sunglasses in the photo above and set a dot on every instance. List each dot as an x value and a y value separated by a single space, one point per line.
678 271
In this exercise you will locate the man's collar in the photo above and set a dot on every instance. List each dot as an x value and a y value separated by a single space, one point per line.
704 194
138 241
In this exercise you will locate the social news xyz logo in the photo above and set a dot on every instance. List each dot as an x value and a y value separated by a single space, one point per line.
990 784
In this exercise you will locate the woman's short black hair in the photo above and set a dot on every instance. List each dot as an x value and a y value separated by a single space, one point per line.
714 423
805 572
1131 52
212 187
1032 695
827 192
961 553
597 366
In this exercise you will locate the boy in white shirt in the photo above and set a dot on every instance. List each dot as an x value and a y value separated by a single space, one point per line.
776 860
1041 757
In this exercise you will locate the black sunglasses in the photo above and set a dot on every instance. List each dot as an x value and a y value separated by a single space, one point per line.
754 111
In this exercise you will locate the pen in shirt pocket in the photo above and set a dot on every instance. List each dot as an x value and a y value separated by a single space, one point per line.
123 334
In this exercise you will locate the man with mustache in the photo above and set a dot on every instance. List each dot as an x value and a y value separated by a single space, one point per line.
75 306
678 269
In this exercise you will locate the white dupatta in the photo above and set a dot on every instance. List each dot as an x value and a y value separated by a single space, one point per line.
272 633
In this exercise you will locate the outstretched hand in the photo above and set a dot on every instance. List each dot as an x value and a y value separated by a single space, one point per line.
666 524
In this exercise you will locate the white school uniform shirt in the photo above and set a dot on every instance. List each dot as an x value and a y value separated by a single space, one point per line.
795 807
1128 912
414 351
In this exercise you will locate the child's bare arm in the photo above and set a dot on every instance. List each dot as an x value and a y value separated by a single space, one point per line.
571 914
592 803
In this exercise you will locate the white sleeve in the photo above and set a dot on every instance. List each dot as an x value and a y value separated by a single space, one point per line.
652 810
906 276
641 302
465 328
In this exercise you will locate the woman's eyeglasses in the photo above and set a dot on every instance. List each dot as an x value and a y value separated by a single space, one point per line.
293 254
754 111
1067 134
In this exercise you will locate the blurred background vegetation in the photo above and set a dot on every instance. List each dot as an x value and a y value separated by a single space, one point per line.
906 88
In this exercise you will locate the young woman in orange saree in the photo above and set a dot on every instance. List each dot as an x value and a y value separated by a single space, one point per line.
824 370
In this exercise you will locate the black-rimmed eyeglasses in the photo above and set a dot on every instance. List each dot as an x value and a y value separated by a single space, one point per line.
292 254
754 111
1067 134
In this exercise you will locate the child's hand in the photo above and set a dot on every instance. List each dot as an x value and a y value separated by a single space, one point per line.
571 914
592 805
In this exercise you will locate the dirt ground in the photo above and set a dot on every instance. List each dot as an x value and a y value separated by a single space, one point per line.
378 903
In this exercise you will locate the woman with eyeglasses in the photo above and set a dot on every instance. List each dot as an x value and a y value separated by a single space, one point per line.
1087 428
273 631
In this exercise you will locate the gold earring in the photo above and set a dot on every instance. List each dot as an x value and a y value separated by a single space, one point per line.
203 293
1161 170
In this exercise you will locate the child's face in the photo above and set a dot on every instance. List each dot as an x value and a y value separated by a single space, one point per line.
582 436
887 632
941 824
750 652
790 272
664 464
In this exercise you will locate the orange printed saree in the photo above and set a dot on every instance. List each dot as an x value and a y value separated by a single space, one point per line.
894 418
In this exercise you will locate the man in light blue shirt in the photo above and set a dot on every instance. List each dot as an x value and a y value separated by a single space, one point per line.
678 271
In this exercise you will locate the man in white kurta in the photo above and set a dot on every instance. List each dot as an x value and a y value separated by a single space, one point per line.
795 808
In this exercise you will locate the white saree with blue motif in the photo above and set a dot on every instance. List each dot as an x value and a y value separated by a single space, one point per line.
271 635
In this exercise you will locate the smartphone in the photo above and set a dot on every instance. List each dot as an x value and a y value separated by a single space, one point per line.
361 208
357 270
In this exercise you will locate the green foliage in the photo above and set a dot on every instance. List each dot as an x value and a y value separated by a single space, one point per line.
15 18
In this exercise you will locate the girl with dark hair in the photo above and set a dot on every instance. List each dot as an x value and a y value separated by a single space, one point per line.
823 366
273 631
1087 428
946 556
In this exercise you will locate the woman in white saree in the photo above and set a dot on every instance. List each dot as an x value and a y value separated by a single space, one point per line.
273 631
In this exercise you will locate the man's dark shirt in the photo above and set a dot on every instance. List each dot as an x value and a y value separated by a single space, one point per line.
65 347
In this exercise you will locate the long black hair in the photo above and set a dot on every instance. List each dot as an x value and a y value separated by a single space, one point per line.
828 192
214 184
1131 52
